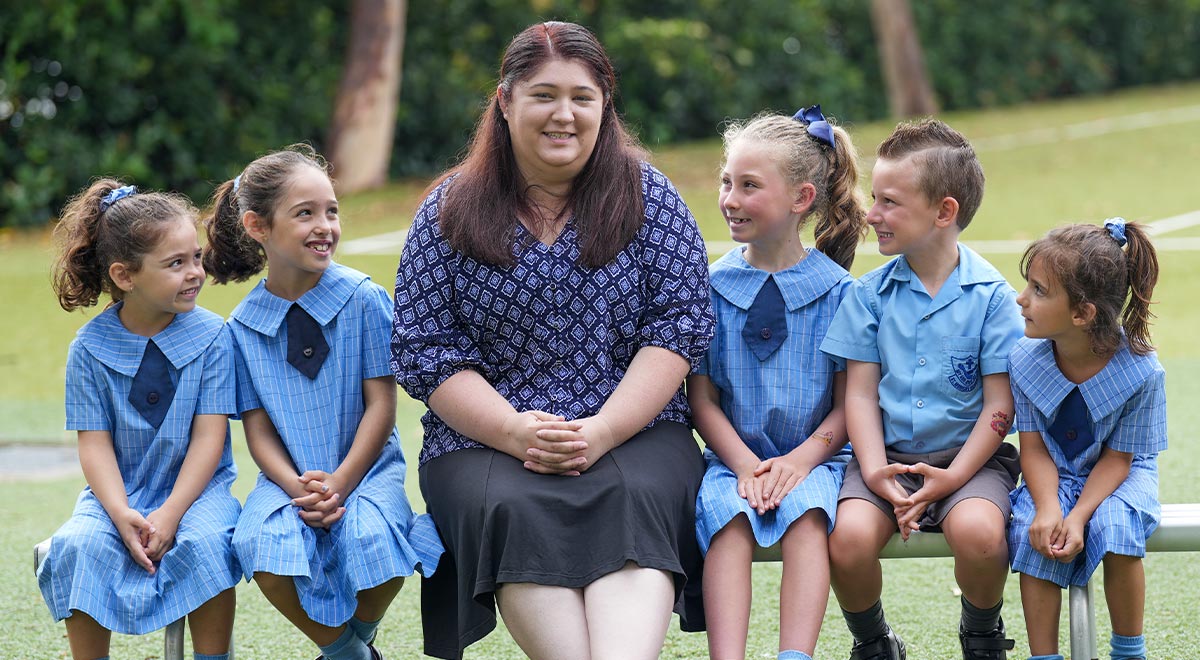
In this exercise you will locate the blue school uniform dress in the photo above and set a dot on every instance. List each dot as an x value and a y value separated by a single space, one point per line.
775 386
379 537
119 382
932 351
1123 407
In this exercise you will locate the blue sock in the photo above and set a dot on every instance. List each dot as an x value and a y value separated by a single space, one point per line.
364 629
794 655
347 647
1128 648
201 656
1046 657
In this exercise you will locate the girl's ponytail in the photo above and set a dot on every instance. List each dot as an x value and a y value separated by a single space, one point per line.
78 276
1141 265
231 255
843 221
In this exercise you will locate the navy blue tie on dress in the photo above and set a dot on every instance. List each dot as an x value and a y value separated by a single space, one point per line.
766 324
306 346
152 390
1072 426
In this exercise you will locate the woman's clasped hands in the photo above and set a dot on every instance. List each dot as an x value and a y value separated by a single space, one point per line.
551 444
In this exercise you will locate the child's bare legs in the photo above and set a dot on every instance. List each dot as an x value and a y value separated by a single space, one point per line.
373 603
1042 602
727 590
804 591
1125 592
87 638
528 609
280 590
974 529
861 532
212 624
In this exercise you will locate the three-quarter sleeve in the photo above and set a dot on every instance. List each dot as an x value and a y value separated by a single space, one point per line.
679 314
86 393
429 343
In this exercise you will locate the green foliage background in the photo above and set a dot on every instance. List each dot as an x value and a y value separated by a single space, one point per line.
179 95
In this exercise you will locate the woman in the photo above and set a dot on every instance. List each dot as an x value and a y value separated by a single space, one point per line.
552 295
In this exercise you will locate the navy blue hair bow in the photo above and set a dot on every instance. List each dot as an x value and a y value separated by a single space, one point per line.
815 123
115 195
1116 229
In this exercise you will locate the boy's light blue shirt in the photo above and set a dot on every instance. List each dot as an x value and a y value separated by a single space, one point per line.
932 352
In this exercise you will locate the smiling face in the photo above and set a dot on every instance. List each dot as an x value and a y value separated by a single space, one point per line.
1047 308
302 233
904 220
167 281
553 118
756 200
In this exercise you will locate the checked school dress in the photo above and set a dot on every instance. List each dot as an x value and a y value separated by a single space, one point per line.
776 386
88 568
379 537
1123 407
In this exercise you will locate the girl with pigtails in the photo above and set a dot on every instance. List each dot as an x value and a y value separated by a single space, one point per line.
766 401
1091 412
149 390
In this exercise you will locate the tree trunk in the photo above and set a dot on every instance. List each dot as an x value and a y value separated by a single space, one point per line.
909 91
364 118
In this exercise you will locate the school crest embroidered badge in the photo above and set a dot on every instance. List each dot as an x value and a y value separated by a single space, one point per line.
964 373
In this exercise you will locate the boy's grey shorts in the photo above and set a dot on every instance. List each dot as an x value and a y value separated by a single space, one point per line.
993 483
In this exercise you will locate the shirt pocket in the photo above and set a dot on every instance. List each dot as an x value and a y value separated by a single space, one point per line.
960 366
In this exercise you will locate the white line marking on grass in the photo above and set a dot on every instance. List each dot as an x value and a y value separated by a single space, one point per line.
389 243
1088 129
1173 223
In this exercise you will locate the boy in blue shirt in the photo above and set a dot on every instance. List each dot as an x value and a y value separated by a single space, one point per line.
928 404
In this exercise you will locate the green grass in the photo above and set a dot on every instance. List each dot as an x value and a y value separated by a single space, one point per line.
1145 174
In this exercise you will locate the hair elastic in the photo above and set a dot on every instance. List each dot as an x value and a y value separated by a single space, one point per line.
115 195
1116 229
815 123
237 182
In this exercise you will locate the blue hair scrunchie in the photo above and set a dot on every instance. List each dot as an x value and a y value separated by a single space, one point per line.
815 123
1116 229
116 195
237 182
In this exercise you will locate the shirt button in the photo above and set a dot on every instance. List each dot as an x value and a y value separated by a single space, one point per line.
920 403
307 352
926 317
765 333
1071 435
152 398
921 362
920 444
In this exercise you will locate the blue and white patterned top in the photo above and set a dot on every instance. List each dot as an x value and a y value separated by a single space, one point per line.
101 365
932 352
1126 401
548 333
775 404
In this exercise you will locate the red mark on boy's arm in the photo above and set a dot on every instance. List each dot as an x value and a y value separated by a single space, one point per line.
1001 423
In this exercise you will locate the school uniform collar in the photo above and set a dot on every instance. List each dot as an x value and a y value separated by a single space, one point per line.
739 282
1040 378
184 339
263 311
972 269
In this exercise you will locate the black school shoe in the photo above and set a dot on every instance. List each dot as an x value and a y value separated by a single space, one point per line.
985 646
887 646
375 654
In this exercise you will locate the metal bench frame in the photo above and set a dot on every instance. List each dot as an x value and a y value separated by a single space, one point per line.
173 633
1179 531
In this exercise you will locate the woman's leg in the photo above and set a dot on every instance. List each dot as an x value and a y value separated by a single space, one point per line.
804 590
1042 602
88 639
628 613
280 590
212 624
548 623
727 590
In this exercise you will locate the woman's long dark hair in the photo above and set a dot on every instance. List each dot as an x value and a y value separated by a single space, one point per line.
481 209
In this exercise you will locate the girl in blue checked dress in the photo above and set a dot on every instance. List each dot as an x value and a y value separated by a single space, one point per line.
150 390
1091 411
766 401
327 532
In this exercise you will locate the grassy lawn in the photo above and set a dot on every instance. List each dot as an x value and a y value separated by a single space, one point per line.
1143 174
